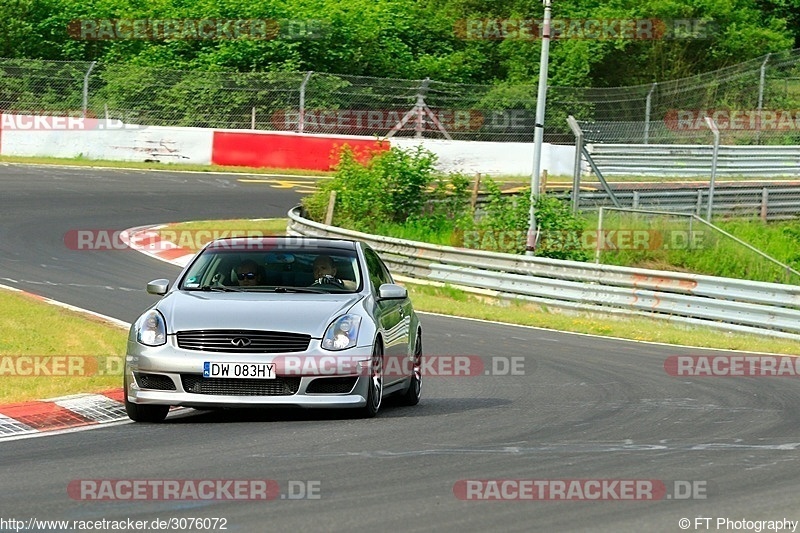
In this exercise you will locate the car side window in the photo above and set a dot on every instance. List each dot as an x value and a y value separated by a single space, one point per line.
378 274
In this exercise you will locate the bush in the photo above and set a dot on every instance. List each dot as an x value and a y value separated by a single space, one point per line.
393 186
399 193
506 222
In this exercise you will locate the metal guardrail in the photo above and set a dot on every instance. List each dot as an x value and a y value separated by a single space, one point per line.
695 160
773 202
731 304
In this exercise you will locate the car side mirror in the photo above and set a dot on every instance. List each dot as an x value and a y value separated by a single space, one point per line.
390 291
158 287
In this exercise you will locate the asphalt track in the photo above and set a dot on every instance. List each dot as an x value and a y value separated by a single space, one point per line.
583 408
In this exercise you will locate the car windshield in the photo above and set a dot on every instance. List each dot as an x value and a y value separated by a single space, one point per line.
303 270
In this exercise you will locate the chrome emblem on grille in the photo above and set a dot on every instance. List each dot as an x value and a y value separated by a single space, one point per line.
241 342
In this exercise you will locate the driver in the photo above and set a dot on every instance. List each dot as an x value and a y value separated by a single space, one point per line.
325 272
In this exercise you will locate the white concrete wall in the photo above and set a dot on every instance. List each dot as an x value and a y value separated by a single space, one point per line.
494 158
116 142
96 140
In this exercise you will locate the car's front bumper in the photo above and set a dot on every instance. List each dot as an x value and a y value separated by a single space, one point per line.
182 370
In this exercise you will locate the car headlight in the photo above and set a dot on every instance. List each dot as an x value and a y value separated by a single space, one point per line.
342 333
151 329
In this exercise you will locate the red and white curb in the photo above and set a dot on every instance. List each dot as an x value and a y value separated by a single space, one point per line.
55 415
148 240
26 419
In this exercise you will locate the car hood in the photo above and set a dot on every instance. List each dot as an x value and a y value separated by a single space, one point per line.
297 313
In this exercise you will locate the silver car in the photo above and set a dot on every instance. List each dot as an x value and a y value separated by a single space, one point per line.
275 321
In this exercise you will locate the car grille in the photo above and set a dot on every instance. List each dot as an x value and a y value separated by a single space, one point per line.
242 341
197 384
154 381
331 385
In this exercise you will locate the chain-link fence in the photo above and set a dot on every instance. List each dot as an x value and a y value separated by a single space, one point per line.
755 102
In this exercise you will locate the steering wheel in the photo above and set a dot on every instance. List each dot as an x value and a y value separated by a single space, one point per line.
329 280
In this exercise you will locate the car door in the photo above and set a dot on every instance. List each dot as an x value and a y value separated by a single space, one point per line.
392 315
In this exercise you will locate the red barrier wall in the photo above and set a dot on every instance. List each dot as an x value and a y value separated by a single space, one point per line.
286 151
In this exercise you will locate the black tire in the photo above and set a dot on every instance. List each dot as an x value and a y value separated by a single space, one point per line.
412 395
375 392
144 413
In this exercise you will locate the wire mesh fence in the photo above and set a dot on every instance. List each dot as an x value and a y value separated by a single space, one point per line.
755 102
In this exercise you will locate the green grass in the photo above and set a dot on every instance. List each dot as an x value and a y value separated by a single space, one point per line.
677 244
451 301
663 243
420 232
83 162
30 327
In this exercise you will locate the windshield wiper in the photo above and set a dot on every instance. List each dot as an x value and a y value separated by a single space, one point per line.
217 288
283 288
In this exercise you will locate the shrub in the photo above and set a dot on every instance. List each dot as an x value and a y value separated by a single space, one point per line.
390 187
509 214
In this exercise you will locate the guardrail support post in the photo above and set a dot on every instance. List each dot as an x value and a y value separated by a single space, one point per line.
599 240
764 203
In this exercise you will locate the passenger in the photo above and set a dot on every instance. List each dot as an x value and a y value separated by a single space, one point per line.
248 274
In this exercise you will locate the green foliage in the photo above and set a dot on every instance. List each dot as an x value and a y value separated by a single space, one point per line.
392 186
404 176
506 222
411 39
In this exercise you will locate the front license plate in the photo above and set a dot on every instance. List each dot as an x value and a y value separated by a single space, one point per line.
239 370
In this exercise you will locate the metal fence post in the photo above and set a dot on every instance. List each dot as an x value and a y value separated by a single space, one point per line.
761 82
648 103
576 171
86 88
301 118
713 125
421 106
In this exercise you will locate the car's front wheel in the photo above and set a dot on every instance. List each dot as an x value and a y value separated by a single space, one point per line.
412 395
144 413
375 390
